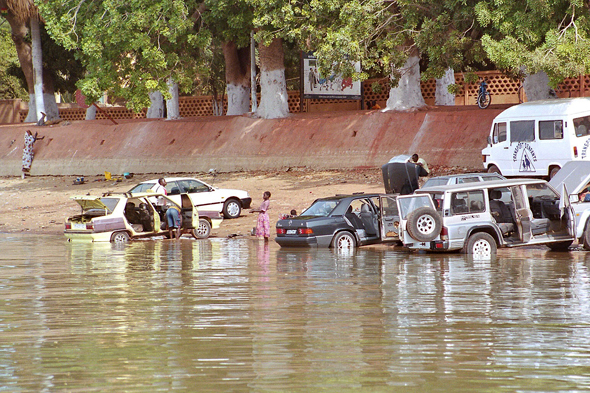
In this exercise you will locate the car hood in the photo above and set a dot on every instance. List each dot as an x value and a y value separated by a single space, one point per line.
575 175
231 192
89 202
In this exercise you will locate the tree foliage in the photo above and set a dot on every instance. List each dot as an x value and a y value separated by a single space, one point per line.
130 48
550 36
10 85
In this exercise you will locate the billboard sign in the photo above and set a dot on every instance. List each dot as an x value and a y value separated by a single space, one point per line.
316 85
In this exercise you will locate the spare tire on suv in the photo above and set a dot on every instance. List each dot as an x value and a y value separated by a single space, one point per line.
424 224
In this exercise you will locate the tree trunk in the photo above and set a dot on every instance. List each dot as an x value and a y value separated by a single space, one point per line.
23 51
37 67
536 87
274 98
237 78
172 107
91 113
156 109
407 94
442 95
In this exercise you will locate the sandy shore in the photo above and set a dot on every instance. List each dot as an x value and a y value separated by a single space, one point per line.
40 204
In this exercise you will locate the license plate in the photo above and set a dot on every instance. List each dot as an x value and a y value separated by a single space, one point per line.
291 231
78 226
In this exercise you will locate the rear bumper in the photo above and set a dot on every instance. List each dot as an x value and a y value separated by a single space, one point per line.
88 236
296 241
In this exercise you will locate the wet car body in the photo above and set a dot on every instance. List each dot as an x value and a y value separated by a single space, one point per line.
478 218
575 177
119 217
206 197
341 221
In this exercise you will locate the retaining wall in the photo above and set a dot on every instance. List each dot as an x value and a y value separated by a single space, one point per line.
452 136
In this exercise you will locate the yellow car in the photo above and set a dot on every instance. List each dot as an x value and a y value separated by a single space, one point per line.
121 217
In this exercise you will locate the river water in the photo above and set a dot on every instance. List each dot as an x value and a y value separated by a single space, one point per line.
236 315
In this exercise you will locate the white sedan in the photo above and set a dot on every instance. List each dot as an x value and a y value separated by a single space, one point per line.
205 197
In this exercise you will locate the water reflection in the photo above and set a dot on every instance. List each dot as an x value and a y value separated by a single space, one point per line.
228 314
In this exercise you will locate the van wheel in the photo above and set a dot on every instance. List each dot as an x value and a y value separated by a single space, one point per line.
494 169
202 231
344 241
424 224
560 246
120 237
481 245
553 172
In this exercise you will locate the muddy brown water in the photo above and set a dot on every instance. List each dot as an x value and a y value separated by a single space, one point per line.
233 315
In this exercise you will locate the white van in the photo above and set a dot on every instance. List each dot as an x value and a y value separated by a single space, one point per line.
536 138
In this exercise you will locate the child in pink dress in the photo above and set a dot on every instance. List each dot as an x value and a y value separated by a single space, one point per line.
263 222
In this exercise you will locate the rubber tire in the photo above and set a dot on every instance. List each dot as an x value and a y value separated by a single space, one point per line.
494 169
203 230
560 246
232 208
586 236
484 100
481 244
424 224
553 172
342 239
120 237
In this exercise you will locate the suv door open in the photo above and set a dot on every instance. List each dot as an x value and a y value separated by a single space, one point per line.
389 222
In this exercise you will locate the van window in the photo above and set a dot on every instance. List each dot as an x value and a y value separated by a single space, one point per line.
582 126
552 129
522 131
499 132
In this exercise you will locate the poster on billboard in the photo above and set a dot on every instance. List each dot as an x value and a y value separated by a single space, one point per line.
316 85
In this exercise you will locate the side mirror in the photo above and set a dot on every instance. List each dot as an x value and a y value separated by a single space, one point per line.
489 140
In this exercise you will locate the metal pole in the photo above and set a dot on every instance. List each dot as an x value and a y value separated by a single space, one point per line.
253 72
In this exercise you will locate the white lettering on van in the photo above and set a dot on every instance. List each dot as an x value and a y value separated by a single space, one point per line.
527 157
585 148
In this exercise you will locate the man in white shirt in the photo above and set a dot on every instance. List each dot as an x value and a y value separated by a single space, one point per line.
419 161
160 187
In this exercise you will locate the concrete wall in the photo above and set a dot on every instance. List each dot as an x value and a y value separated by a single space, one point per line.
443 136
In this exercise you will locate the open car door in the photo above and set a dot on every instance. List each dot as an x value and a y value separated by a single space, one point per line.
189 212
389 219
567 211
524 215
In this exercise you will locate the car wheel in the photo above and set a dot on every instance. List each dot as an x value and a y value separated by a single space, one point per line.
553 172
481 245
120 237
203 230
586 236
494 169
344 241
232 208
424 224
560 246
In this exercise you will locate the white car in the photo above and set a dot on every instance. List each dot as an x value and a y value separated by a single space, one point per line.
462 179
205 197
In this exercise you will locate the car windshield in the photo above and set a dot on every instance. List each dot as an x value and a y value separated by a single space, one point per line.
408 205
320 208
142 187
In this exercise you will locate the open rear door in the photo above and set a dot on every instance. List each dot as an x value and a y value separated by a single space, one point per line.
567 211
524 215
389 219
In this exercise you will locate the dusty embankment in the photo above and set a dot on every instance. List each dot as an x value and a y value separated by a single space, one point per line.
450 136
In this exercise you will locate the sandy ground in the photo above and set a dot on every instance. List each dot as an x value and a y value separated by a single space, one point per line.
40 204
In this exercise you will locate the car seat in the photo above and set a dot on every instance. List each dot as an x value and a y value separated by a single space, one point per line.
501 213
354 220
368 219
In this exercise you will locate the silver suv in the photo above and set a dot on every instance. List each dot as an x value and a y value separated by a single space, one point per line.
477 218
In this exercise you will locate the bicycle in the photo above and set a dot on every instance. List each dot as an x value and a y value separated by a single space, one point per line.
484 98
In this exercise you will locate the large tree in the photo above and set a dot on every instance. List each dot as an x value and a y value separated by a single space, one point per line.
129 48
547 40
10 85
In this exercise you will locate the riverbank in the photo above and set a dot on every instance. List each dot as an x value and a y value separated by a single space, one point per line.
40 204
